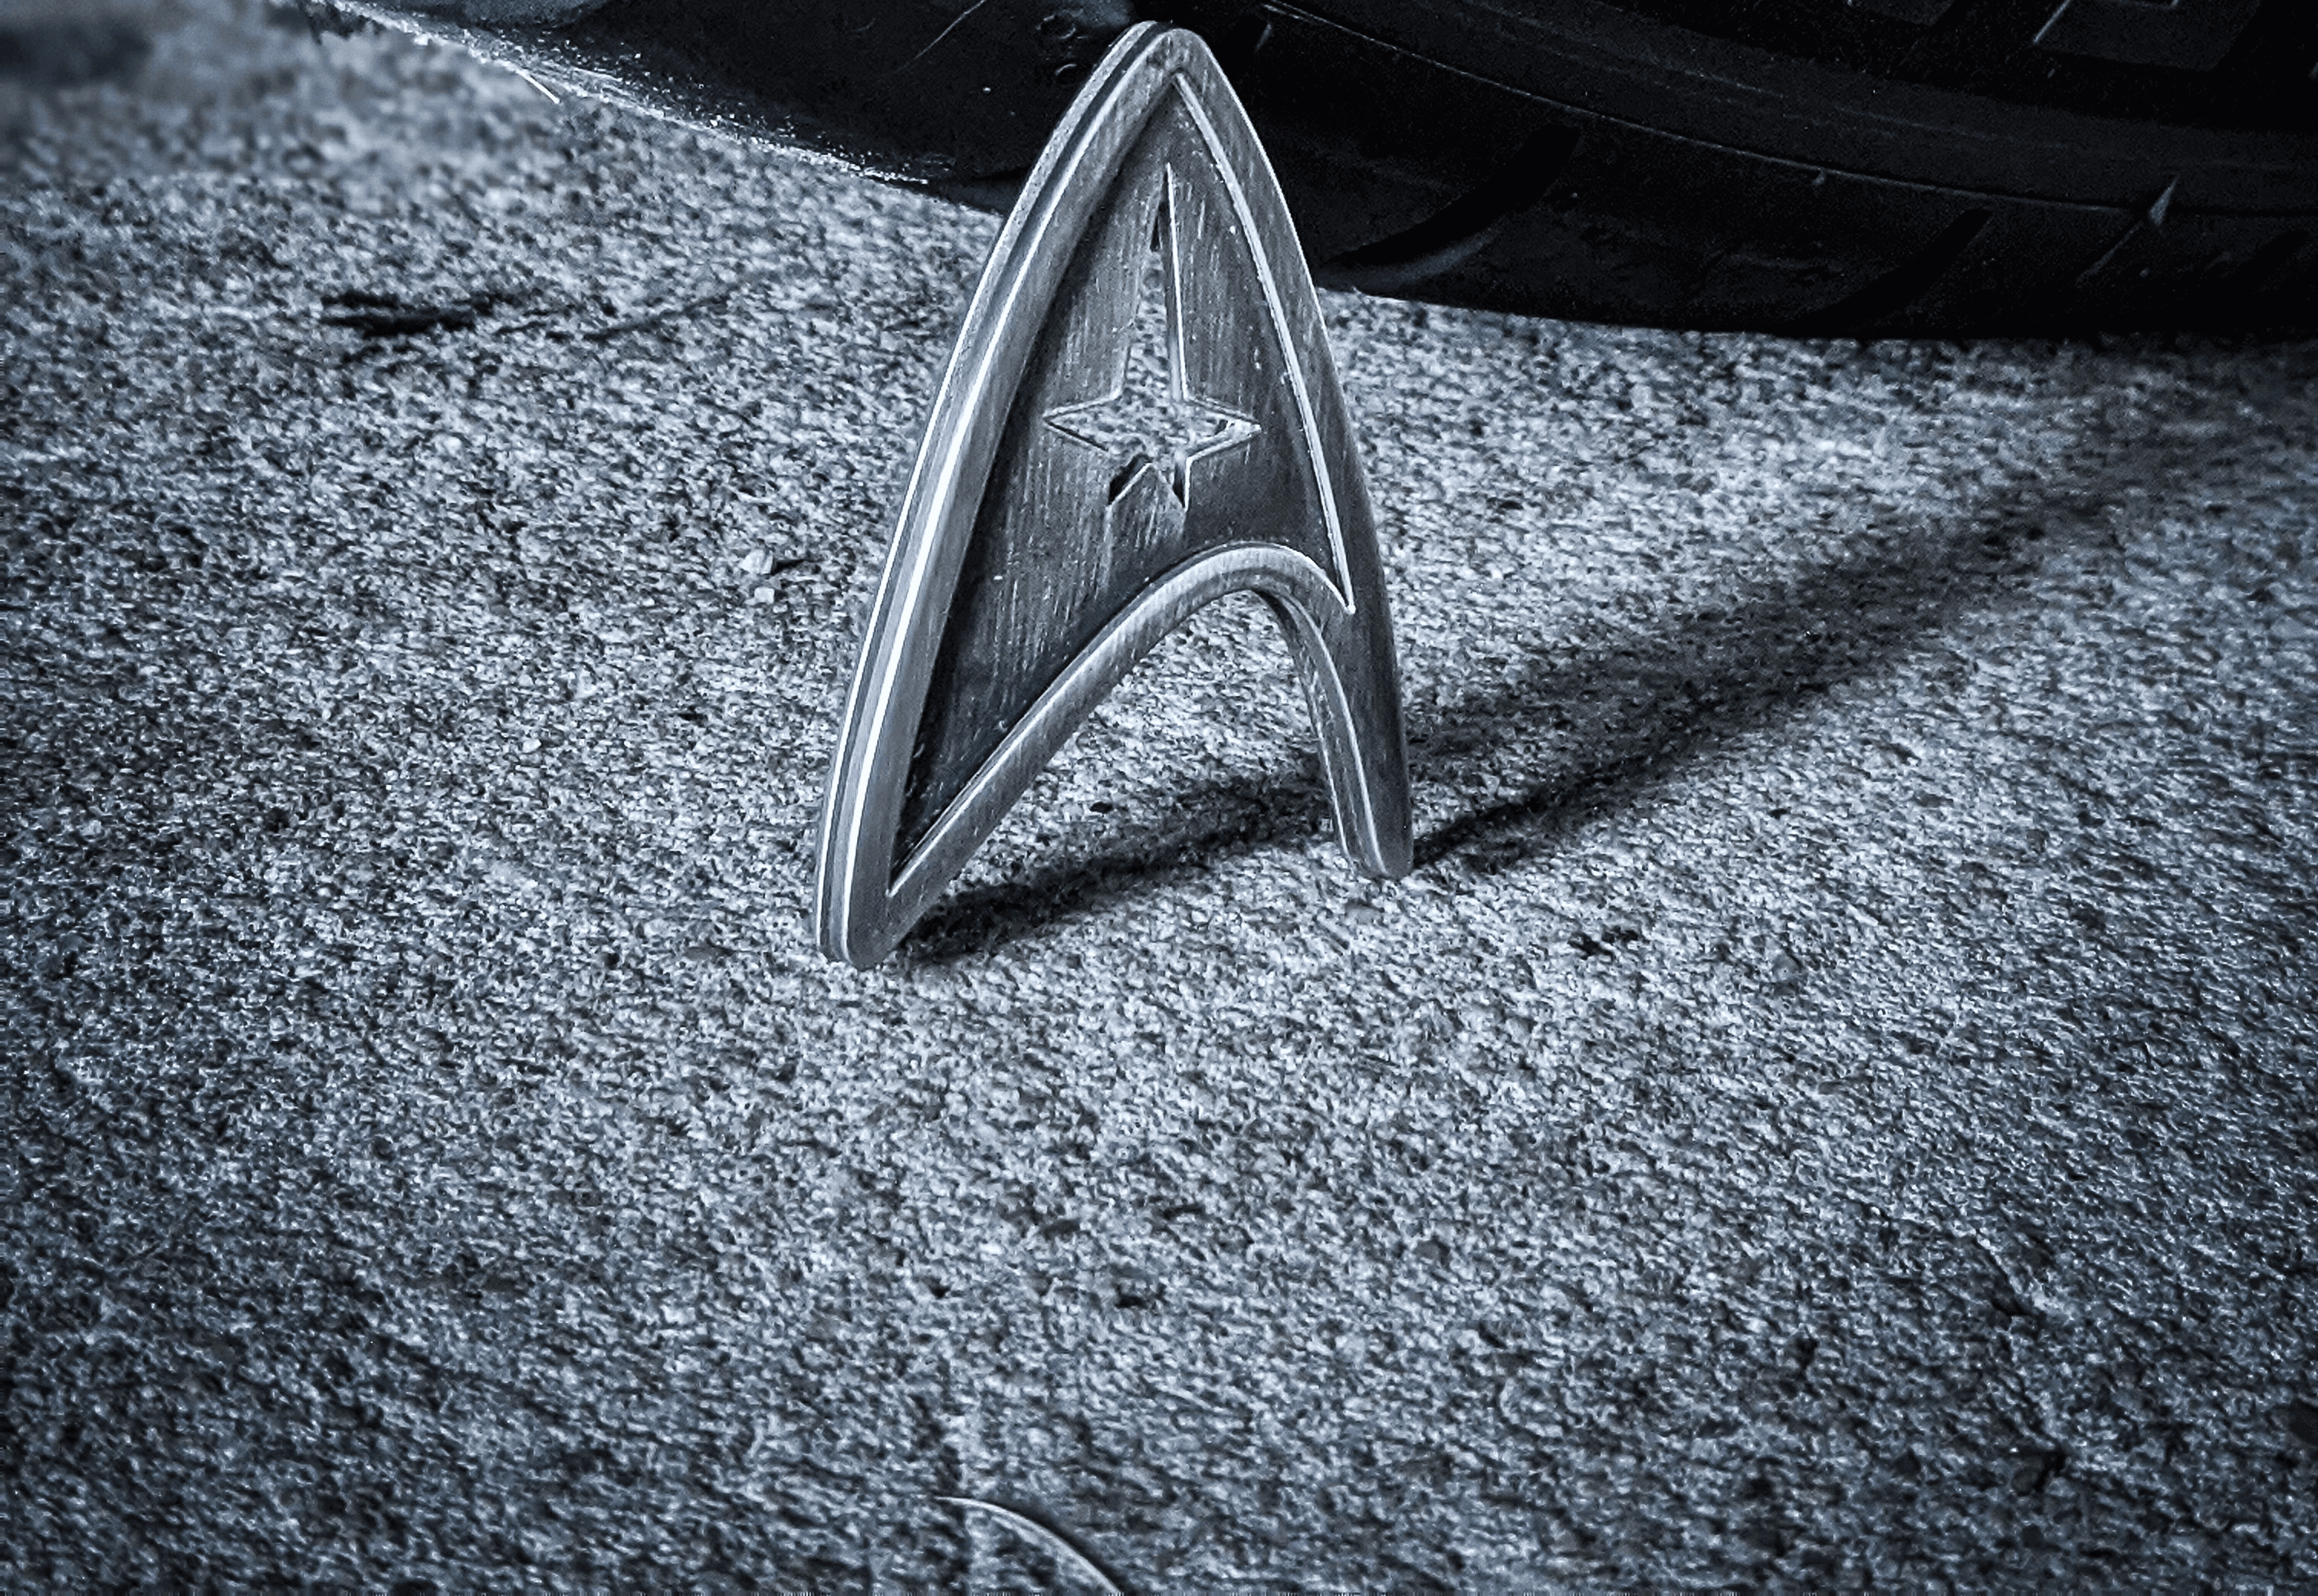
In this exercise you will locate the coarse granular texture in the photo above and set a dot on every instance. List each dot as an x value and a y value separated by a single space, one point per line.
1834 1106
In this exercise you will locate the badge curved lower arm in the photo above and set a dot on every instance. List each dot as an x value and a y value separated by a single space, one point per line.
1141 415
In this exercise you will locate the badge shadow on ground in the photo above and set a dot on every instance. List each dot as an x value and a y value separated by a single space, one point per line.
1704 675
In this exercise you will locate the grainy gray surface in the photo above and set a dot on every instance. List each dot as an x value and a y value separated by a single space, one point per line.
1834 1107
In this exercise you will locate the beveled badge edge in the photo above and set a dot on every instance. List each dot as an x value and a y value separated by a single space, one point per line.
864 908
889 672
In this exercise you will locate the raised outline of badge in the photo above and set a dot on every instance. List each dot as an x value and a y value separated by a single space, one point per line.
1341 638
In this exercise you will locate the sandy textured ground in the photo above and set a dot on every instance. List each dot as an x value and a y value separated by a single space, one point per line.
1835 1106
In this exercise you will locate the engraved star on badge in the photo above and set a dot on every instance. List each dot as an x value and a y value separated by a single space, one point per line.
1089 373
1150 416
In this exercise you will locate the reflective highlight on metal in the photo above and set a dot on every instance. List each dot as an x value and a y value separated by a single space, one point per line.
1141 416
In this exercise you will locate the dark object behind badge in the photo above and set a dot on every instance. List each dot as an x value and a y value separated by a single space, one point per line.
1820 167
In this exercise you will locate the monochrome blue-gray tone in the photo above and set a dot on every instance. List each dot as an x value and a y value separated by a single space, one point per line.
1832 1103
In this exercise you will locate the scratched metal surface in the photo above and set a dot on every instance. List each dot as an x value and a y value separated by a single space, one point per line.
1042 550
1833 1104
1030 601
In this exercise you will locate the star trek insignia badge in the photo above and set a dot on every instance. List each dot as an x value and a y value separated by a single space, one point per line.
1141 415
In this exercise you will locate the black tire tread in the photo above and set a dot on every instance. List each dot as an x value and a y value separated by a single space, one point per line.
1623 163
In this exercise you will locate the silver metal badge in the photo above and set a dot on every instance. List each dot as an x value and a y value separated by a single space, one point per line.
1141 416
